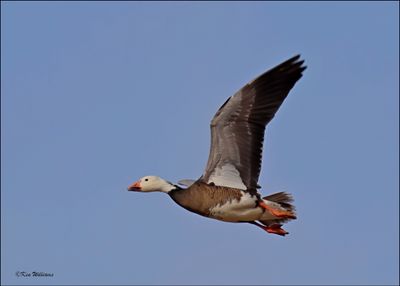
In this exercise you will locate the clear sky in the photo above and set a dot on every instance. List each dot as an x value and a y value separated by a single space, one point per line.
97 95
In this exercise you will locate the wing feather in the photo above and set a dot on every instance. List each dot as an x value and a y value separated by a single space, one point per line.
238 127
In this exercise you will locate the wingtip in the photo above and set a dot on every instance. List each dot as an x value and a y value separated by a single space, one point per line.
297 60
293 61
298 63
296 57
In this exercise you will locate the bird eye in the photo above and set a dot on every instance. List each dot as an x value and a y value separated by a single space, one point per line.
146 180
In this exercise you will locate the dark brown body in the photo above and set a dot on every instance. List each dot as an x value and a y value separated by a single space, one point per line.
200 197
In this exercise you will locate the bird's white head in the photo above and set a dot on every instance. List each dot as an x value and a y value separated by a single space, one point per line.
152 184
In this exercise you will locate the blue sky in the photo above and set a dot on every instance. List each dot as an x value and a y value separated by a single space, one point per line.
95 95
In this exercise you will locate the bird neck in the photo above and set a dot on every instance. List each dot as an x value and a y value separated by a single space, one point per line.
168 187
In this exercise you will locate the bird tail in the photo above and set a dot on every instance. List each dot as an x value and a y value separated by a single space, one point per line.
283 199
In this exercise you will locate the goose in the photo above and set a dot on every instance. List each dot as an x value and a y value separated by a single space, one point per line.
228 189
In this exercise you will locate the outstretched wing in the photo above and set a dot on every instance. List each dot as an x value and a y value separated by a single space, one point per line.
237 129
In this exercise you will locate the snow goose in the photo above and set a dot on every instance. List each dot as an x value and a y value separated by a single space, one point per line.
227 190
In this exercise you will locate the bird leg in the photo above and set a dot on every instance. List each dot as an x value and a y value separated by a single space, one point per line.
273 228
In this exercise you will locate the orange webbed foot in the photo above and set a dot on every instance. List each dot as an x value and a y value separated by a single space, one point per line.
281 213
275 228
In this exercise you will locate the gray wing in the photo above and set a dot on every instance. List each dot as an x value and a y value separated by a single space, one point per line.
237 129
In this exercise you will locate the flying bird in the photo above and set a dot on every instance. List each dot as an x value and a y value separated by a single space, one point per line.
228 188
